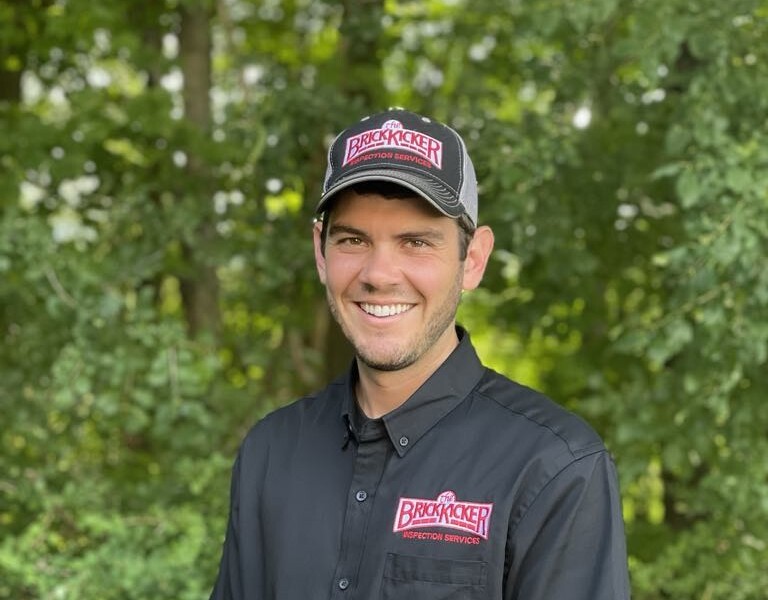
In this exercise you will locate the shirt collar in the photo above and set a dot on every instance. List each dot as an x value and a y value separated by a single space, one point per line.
437 396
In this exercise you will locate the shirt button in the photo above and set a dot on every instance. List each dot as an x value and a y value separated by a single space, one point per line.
361 496
403 441
343 583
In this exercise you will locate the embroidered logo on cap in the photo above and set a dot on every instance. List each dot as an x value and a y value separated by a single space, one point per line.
445 511
392 134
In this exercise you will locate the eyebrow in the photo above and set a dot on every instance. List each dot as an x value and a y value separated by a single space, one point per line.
337 229
429 233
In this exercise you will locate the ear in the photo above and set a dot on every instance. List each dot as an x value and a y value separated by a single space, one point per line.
319 258
477 257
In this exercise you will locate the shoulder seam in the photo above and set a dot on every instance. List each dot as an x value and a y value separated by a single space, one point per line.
552 479
576 454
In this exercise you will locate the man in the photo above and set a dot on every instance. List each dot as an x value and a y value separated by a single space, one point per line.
419 474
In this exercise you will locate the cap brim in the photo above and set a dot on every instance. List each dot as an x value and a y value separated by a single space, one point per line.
438 195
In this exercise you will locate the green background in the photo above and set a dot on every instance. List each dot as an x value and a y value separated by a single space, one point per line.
159 164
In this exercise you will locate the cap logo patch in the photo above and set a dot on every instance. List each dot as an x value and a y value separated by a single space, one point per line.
445 511
392 134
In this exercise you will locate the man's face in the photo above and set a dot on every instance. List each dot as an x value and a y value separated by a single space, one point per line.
393 278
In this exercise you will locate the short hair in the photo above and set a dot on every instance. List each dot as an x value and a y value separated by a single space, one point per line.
391 191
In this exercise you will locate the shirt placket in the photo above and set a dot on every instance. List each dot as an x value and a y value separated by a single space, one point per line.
373 448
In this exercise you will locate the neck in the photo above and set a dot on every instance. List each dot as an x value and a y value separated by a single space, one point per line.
380 392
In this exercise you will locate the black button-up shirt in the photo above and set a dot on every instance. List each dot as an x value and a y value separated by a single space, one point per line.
476 487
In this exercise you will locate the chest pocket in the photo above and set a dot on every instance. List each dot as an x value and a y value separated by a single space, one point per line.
427 578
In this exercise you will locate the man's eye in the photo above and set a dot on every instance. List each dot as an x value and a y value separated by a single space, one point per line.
417 243
350 241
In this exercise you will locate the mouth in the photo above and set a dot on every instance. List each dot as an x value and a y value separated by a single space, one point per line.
384 310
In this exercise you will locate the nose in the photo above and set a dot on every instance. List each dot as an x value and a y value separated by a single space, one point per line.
380 269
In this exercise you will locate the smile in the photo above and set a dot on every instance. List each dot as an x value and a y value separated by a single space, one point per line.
385 310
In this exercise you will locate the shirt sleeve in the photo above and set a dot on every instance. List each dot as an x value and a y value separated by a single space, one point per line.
228 584
570 543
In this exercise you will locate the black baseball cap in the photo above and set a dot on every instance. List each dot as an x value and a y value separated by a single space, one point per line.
402 147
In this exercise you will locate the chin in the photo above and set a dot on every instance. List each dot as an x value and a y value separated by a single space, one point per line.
385 366
384 361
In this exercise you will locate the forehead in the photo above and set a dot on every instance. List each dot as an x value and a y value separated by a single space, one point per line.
373 206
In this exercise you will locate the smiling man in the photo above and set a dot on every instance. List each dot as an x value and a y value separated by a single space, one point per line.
420 473
394 274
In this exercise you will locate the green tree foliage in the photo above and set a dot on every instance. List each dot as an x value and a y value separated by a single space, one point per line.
159 164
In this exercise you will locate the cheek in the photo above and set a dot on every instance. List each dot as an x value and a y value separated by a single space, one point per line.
341 270
434 278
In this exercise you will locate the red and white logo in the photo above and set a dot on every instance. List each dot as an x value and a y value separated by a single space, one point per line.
445 511
393 135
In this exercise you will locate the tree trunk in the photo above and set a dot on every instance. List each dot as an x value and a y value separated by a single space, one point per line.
361 33
10 85
13 60
199 284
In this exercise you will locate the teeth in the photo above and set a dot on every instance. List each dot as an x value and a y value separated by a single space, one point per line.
385 310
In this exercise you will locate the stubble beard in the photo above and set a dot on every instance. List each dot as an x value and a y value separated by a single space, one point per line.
403 357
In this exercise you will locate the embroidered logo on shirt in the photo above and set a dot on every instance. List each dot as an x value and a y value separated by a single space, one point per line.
445 511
